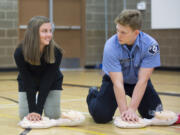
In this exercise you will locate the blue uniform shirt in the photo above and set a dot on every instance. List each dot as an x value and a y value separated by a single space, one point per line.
118 58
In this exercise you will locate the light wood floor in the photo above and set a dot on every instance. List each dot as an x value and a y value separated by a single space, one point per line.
74 98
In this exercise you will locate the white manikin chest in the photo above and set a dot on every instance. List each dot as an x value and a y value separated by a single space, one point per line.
163 118
71 118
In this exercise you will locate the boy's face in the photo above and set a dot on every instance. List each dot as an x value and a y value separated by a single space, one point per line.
126 35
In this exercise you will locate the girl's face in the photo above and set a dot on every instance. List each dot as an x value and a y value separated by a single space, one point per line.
45 34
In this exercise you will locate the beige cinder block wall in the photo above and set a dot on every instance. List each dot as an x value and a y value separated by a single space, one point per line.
169 39
8 32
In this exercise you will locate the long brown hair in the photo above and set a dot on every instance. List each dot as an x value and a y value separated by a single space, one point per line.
31 43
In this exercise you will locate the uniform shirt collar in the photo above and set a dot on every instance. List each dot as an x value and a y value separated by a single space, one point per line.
117 41
137 41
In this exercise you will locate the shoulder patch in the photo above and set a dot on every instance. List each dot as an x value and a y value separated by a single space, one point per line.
153 49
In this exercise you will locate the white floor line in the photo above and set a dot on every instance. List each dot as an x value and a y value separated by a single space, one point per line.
175 126
2 106
86 113
75 100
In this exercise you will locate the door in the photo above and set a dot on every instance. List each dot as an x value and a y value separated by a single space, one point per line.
69 19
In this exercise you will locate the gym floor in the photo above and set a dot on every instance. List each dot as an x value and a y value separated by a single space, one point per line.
73 97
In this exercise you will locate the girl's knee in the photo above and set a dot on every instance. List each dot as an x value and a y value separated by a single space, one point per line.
22 114
52 113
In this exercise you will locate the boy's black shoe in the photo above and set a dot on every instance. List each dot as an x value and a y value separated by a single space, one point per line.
94 88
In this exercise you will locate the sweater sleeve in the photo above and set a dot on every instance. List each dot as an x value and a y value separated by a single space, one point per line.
28 83
47 80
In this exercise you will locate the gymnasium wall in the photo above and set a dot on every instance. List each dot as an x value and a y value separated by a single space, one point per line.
8 32
95 27
169 39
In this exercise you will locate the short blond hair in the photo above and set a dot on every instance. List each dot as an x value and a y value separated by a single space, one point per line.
129 17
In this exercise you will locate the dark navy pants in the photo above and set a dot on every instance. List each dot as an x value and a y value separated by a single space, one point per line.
102 104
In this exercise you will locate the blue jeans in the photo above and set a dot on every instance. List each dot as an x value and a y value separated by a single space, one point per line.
102 104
